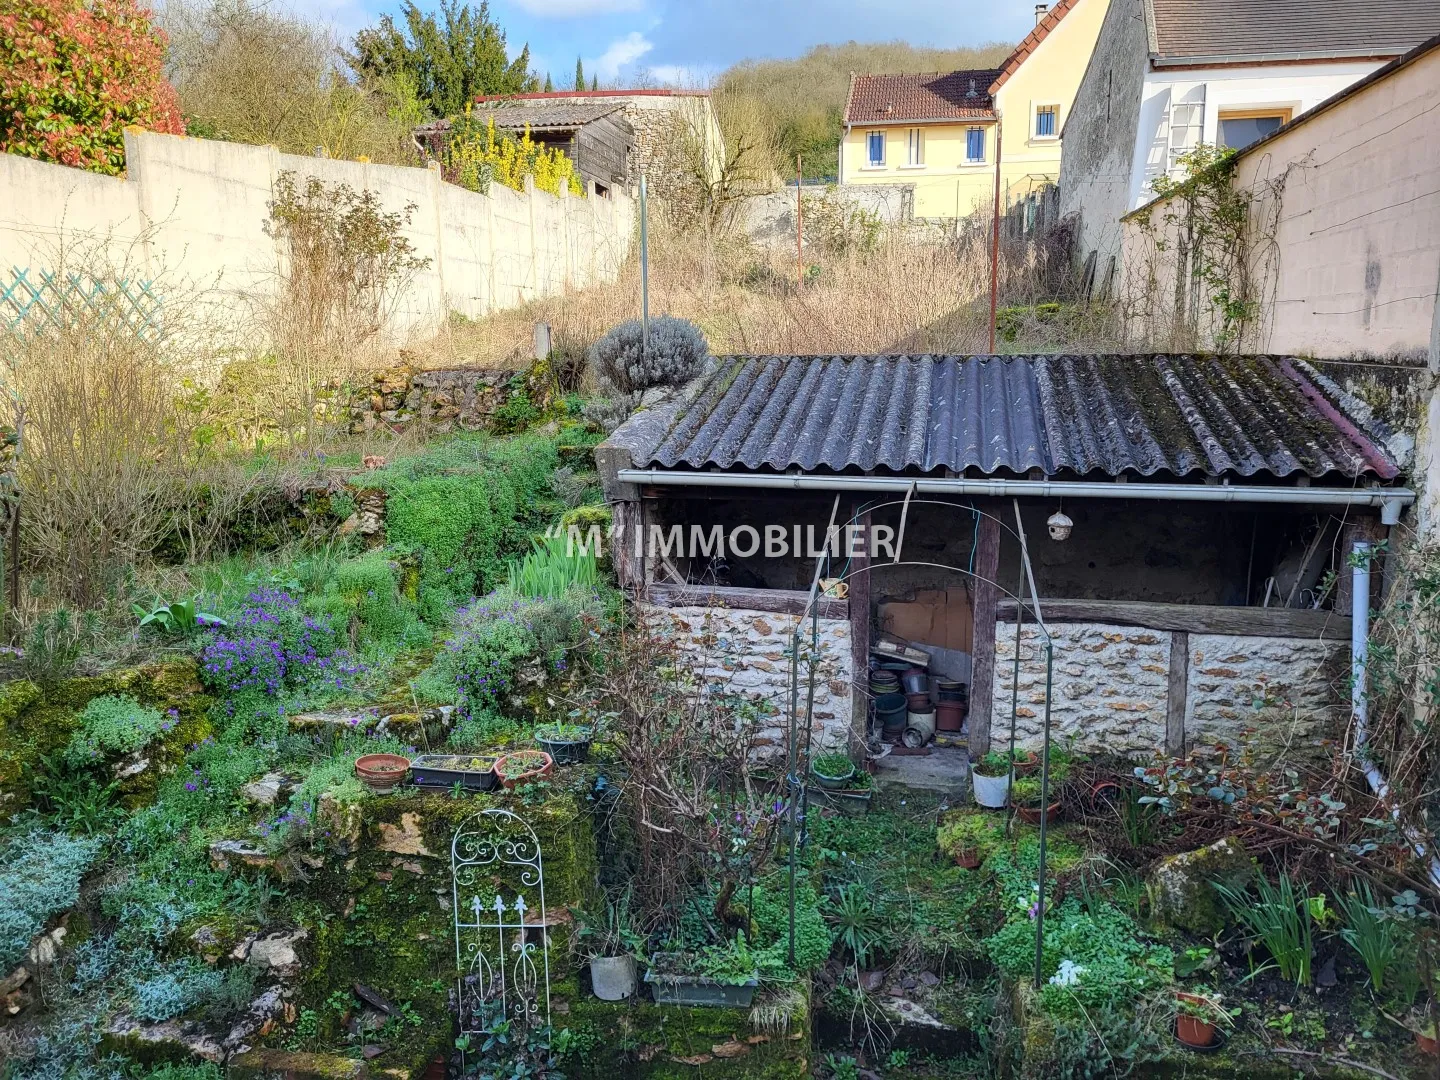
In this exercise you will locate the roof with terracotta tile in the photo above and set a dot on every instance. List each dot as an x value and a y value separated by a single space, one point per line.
1032 41
920 98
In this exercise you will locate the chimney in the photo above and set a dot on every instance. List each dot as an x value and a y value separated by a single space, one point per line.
971 91
1040 10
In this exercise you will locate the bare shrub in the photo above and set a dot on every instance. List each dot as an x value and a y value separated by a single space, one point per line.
344 262
247 72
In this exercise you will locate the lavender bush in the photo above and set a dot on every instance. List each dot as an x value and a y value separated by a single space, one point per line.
273 646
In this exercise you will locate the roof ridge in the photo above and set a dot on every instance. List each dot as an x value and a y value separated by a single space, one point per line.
1031 41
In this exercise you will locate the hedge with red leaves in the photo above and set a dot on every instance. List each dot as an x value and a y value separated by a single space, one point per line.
74 74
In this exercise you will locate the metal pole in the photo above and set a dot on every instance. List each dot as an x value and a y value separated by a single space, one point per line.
799 227
1015 676
995 244
644 273
1044 818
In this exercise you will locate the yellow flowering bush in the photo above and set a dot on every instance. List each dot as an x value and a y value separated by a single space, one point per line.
477 155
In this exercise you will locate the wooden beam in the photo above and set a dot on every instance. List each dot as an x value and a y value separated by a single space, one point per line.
780 601
859 583
1193 618
1176 693
982 684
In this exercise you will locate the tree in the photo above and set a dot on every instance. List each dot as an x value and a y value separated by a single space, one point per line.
579 74
451 64
249 72
594 82
74 74
549 86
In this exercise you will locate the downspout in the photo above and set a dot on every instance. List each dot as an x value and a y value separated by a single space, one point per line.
1359 696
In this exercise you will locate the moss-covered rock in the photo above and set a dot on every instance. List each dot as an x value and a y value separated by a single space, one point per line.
638 1039
1181 887
37 721
380 912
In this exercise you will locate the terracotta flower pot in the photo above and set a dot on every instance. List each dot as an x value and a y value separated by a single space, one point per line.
967 858
381 772
1032 813
1193 1030
1027 762
1427 1045
535 763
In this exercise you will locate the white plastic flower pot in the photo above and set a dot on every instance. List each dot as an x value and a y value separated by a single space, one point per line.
991 791
613 977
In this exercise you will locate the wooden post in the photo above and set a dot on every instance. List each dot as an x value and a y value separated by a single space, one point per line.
799 227
859 583
982 685
995 248
1176 693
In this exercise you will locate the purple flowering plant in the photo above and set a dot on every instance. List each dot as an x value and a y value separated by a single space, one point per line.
272 646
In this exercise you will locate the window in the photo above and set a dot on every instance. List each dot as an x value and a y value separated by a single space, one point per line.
1047 121
1238 129
1187 131
915 149
875 149
975 145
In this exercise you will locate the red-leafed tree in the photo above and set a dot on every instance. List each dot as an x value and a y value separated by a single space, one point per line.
74 74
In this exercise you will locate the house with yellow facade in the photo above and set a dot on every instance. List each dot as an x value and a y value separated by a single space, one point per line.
939 131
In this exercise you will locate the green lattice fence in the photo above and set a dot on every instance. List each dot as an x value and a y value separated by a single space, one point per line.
34 301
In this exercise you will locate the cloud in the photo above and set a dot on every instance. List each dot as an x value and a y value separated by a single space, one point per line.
564 9
621 52
685 76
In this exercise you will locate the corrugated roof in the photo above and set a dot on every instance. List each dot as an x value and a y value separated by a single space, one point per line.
1275 28
1063 415
899 99
539 115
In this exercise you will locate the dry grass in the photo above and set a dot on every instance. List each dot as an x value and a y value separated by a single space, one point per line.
918 291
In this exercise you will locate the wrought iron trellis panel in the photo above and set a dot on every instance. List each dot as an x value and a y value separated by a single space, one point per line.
33 301
495 862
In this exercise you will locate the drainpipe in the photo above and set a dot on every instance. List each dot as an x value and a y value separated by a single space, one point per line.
1359 696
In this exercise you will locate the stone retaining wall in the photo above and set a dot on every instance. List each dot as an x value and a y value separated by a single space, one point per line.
1111 688
747 652
441 400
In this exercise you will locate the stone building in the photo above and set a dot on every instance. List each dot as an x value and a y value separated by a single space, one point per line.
1187 524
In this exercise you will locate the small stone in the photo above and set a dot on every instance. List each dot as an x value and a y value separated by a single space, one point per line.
265 791
872 980
413 867
375 999
229 854
47 948
387 875
406 839
16 979
731 1049
276 952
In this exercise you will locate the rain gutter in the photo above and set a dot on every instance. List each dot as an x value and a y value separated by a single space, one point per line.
1390 500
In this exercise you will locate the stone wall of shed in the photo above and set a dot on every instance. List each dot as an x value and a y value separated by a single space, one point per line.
740 651
1111 688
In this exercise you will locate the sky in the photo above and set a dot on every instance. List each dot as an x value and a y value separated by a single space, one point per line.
687 42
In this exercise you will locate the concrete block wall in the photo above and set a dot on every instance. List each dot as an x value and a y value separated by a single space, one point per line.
1111 688
190 215
747 652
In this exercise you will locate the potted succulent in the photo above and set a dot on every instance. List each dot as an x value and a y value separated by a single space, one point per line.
1027 762
968 837
990 779
473 772
381 772
832 771
522 767
1200 1016
567 744
723 975
610 942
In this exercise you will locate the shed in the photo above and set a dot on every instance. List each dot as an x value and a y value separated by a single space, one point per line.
1203 587
596 136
